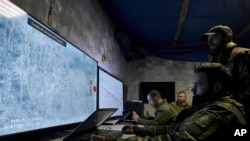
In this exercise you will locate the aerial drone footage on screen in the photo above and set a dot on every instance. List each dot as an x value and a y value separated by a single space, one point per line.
110 92
45 81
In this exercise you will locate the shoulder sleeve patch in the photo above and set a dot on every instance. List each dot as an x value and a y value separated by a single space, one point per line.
204 120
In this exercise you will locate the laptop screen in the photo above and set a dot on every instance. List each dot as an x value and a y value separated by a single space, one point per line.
94 120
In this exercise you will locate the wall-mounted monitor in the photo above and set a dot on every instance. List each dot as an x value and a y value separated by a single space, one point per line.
110 93
45 81
167 90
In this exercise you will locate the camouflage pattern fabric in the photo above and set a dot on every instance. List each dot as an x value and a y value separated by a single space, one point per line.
216 121
237 60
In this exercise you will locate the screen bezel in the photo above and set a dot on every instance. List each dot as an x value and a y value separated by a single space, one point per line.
98 96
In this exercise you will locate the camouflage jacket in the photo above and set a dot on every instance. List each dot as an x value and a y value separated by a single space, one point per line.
164 114
237 59
216 121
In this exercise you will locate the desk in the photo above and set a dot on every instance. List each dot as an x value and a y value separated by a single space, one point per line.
101 129
116 127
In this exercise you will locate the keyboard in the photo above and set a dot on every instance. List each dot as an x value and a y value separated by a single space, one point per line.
111 122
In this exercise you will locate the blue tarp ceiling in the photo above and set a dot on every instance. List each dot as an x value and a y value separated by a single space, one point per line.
171 29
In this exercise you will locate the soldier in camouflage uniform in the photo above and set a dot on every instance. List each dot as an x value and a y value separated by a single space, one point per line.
223 50
215 114
237 59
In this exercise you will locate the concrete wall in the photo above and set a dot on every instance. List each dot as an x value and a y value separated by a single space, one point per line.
153 69
85 24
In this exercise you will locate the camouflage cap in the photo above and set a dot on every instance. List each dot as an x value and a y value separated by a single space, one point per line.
218 29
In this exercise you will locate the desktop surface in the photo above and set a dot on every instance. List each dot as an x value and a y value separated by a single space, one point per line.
102 129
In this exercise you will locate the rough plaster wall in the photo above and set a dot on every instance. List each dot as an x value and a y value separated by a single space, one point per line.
153 69
84 24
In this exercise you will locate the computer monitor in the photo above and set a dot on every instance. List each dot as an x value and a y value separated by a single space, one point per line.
45 81
110 93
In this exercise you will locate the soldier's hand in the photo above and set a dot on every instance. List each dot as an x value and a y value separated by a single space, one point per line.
128 129
98 138
135 116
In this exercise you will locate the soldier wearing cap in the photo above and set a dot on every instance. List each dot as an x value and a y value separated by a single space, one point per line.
223 50
237 59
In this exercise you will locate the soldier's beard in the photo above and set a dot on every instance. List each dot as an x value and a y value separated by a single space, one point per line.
207 97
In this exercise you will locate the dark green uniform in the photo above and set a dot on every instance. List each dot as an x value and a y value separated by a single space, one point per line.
179 107
164 114
216 121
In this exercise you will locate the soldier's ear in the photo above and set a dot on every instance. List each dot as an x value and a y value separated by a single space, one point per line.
217 87
228 37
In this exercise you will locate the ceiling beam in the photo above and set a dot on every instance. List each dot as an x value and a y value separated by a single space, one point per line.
183 14
242 32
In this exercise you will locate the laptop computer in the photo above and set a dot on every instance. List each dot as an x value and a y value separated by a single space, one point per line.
126 118
86 129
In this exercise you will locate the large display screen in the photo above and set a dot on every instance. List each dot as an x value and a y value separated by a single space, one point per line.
110 92
166 89
45 81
